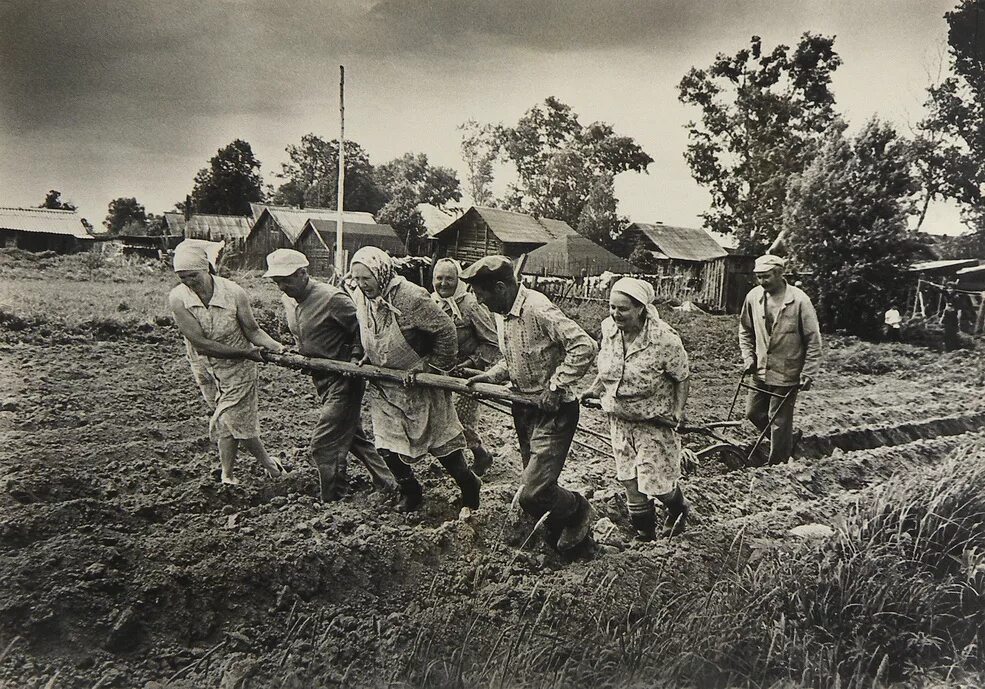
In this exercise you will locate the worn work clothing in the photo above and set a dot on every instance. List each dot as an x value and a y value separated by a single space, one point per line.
408 331
639 379
791 347
544 443
541 346
323 323
648 453
478 348
761 406
229 386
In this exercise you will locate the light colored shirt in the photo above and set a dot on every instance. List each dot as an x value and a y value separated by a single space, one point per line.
791 349
638 381
541 346
893 318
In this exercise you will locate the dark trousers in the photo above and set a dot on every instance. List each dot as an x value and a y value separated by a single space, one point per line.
544 442
760 407
339 431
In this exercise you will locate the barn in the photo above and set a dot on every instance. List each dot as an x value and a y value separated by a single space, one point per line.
228 228
44 229
689 265
574 256
485 231
354 237
280 227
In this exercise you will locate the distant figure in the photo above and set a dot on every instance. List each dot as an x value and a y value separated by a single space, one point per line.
545 353
223 343
891 324
949 319
781 348
478 347
323 321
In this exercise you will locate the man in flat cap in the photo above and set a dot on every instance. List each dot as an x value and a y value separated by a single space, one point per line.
781 347
544 353
322 319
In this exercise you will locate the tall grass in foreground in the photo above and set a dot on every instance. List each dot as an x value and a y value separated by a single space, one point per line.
896 594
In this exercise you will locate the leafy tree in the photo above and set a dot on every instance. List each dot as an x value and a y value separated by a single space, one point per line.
230 182
126 216
762 117
479 153
54 201
401 213
599 220
557 160
436 185
312 177
951 142
846 221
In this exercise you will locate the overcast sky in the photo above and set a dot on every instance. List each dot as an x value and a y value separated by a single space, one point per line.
104 98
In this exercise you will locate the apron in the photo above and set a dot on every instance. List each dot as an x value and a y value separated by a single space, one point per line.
410 421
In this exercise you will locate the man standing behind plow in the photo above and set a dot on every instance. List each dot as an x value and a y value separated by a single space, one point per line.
781 346
545 353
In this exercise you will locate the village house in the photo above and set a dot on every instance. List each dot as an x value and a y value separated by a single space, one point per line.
689 265
44 229
228 228
574 256
485 231
317 241
280 227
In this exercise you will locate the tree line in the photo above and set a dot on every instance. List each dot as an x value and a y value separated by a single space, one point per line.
768 143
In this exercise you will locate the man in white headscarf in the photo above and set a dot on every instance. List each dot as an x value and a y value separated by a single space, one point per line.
643 381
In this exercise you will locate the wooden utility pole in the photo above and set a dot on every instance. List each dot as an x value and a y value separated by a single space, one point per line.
339 251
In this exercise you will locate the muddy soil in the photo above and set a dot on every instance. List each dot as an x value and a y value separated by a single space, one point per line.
123 563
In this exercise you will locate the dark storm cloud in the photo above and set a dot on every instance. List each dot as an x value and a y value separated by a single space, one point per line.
63 63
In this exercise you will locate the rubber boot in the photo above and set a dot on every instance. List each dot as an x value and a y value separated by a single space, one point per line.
579 528
645 524
467 481
411 493
481 460
678 511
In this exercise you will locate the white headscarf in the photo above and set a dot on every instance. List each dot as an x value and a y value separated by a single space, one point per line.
640 290
460 290
190 256
380 266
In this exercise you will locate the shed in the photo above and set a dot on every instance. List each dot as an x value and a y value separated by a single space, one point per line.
670 243
483 231
574 256
43 229
280 227
354 237
231 228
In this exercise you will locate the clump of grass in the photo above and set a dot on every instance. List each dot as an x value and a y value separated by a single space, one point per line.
898 593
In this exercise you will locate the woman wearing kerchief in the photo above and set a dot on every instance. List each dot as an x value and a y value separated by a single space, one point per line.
478 347
223 343
402 328
643 383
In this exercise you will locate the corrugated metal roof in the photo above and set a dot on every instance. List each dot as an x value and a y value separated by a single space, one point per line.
43 221
291 220
681 243
570 255
939 265
511 227
218 226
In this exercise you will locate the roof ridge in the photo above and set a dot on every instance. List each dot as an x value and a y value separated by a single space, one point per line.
38 210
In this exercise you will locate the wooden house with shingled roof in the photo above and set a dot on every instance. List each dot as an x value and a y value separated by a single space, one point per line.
280 227
228 228
485 231
320 247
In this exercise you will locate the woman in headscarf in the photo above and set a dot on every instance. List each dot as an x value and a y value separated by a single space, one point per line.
478 347
643 382
402 328
223 343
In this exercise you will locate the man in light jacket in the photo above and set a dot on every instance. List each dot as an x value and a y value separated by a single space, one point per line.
781 346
